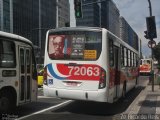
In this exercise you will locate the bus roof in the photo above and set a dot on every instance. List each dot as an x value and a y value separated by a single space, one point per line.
76 28
15 37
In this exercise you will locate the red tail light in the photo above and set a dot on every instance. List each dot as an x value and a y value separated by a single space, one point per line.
45 76
102 81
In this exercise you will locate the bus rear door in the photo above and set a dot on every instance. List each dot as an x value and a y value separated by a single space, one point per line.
116 67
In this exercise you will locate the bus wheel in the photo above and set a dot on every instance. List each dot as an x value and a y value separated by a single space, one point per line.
6 103
124 90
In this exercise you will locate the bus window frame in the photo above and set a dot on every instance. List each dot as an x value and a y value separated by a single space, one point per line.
14 53
111 52
71 33
122 56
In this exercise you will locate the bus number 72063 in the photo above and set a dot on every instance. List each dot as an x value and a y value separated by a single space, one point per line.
89 71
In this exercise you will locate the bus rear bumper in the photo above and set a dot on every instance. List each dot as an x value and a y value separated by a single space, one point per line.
98 96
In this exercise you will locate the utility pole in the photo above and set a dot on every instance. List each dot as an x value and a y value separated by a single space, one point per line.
150 8
151 39
150 34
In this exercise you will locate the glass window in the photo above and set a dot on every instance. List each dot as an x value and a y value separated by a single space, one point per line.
7 54
135 60
132 59
72 45
122 56
129 59
125 57
22 60
28 60
111 53
148 62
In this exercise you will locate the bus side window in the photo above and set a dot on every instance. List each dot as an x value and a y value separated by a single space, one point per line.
22 60
125 57
134 60
7 54
137 61
111 53
129 57
122 56
148 62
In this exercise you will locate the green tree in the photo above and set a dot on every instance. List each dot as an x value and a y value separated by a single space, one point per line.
156 51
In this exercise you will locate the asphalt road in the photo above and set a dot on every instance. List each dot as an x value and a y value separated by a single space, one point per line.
59 109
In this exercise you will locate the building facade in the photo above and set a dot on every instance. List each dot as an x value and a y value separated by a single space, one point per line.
6 15
104 14
63 13
91 14
32 19
127 34
110 17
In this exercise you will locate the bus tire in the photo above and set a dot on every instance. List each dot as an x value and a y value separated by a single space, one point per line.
6 102
124 90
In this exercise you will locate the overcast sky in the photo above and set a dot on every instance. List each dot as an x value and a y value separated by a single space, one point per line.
135 12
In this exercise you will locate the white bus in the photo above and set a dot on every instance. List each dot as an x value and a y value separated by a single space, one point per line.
94 65
18 75
146 66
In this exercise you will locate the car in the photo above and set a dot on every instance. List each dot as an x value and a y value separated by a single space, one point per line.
40 77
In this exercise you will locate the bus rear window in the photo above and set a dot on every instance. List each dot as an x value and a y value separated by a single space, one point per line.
7 54
75 45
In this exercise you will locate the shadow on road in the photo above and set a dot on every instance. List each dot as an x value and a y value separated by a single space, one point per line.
21 110
101 109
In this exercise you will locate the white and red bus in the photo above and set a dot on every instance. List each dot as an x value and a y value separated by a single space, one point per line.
93 65
18 75
145 66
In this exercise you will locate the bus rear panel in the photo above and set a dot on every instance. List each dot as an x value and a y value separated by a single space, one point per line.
76 73
89 64
145 66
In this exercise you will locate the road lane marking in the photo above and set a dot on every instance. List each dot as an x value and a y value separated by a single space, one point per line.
41 111
41 97
45 97
157 106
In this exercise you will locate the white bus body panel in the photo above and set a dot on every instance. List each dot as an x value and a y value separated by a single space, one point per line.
88 89
14 81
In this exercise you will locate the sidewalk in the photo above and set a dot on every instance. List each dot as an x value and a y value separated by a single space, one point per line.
146 106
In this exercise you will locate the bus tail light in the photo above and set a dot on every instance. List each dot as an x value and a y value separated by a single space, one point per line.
102 81
45 76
